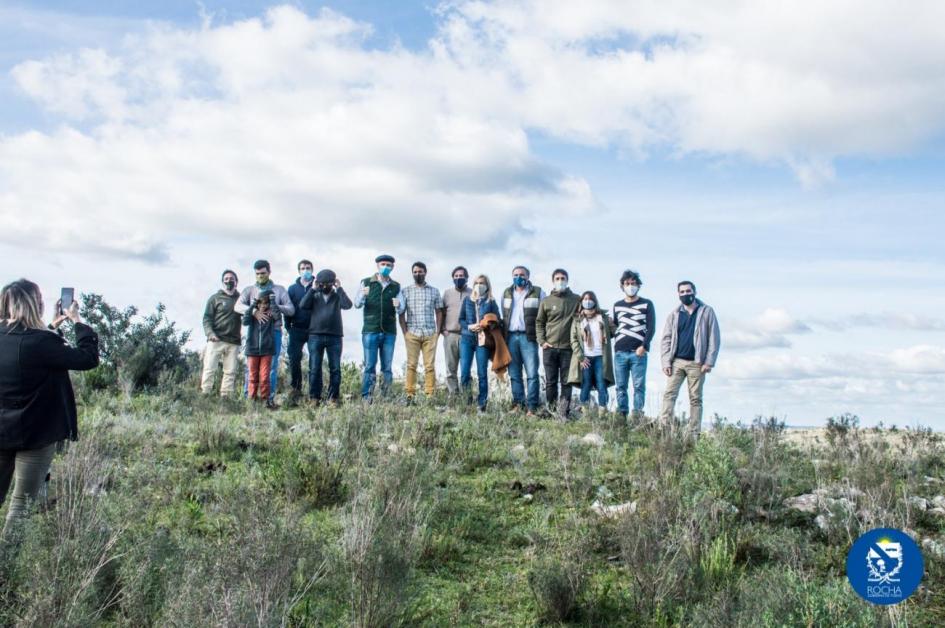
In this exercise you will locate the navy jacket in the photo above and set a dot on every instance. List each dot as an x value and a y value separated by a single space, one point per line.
261 337
326 314
37 403
467 314
303 316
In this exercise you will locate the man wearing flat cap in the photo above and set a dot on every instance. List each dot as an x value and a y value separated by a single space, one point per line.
380 297
325 298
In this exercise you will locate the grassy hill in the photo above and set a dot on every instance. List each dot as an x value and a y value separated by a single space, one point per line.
180 510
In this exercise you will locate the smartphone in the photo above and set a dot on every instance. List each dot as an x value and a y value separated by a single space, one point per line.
66 297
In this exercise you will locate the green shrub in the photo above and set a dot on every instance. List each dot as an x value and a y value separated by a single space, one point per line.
135 352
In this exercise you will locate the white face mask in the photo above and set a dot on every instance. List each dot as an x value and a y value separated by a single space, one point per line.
561 285
631 291
480 290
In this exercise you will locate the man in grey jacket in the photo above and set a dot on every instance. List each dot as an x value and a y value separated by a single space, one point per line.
689 349
281 306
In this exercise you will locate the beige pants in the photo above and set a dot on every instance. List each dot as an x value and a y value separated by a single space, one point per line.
691 373
26 469
213 354
451 350
415 346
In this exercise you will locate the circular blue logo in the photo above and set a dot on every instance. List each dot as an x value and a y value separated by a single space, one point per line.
885 566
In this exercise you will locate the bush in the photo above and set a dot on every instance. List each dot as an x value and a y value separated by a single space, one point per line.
557 579
384 530
135 352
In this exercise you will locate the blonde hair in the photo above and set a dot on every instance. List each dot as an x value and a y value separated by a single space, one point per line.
485 278
19 305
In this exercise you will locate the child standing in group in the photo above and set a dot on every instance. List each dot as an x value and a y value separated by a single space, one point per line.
260 346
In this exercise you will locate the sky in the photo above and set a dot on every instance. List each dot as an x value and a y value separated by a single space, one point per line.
788 159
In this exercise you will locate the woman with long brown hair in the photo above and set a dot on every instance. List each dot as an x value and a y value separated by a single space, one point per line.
472 338
37 403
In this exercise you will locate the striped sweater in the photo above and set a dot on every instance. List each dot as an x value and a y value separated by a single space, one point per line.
635 324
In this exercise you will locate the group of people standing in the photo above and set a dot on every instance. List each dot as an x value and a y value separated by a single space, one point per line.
581 344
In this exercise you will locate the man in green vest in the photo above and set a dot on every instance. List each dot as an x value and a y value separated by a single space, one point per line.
380 297
520 303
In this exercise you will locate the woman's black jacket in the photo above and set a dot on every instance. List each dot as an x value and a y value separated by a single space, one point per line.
37 404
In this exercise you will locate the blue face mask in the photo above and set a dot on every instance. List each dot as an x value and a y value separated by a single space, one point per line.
307 276
460 283
385 271
519 282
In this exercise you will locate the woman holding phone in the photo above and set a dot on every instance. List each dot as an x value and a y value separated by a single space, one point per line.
37 403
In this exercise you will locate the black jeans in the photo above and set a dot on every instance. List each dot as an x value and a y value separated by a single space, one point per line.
318 346
297 340
557 363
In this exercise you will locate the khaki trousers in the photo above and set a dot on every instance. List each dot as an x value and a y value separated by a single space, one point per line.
26 469
213 354
691 373
416 345
451 349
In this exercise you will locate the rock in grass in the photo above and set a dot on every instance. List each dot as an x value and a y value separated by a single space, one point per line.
593 439
612 512
806 503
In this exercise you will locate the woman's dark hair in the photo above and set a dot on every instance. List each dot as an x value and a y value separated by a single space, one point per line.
629 275
580 308
229 272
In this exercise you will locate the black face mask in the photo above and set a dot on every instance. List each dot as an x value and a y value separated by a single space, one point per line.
460 283
687 299
326 288
419 279
229 284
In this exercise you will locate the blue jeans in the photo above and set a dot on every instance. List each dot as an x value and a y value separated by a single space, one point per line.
524 353
297 341
469 347
377 344
273 372
628 364
594 374
318 346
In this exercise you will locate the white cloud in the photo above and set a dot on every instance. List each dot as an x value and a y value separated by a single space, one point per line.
770 329
266 126
246 129
885 320
801 84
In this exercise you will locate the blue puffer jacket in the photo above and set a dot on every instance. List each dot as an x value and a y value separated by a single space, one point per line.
467 314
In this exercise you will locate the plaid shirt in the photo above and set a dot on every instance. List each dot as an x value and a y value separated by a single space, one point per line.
420 306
